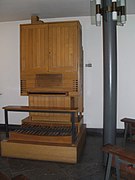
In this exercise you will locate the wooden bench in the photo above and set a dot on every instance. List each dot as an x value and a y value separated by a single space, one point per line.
129 128
120 158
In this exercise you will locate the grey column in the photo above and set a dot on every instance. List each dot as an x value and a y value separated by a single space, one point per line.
110 76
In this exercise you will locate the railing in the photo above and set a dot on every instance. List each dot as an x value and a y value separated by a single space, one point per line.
41 110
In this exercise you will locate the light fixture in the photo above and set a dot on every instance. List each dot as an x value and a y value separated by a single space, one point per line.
121 12
117 8
114 10
98 12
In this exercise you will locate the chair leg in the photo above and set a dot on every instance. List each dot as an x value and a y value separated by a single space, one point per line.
108 167
117 164
130 132
125 132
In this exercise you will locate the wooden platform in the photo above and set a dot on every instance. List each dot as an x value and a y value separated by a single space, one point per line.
44 151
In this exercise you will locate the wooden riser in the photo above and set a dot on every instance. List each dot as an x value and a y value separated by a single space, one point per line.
55 100
39 152
27 122
13 136
42 151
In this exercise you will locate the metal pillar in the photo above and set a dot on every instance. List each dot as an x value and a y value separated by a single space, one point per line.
110 75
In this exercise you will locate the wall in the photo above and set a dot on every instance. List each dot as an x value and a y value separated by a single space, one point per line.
126 70
9 69
93 81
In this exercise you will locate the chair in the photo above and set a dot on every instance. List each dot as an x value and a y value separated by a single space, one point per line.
121 159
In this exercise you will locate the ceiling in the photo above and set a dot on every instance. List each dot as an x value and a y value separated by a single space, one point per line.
16 10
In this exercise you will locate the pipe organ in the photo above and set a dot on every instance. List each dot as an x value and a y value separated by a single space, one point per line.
51 75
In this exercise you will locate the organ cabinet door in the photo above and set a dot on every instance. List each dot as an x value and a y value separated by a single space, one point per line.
63 46
34 48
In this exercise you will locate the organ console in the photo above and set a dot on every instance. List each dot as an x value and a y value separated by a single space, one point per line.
51 75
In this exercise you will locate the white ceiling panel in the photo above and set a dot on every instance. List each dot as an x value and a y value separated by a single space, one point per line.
15 10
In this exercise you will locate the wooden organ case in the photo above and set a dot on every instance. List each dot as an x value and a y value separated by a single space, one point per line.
51 69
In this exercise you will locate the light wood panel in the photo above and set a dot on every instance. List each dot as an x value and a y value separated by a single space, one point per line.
50 100
13 136
63 47
27 150
34 48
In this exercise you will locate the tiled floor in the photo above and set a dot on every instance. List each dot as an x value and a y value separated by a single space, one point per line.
90 166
